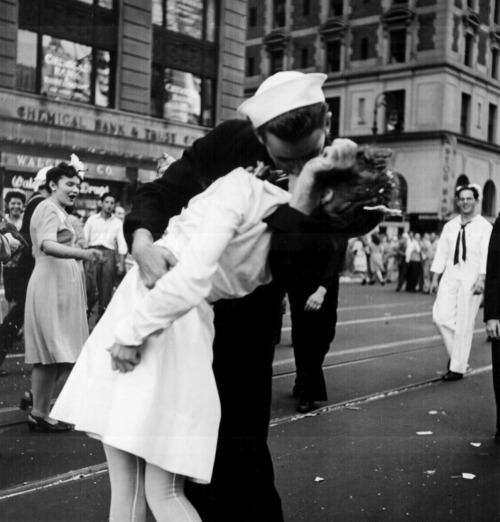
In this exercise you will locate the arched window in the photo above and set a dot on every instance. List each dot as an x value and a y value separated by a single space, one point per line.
462 180
489 205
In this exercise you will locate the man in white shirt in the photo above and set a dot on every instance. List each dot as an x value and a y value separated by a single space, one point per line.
104 231
461 257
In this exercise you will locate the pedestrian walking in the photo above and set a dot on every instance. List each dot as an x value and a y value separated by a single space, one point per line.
377 259
103 231
12 325
427 258
288 123
313 290
15 202
401 260
413 263
360 262
461 256
55 319
391 262
165 336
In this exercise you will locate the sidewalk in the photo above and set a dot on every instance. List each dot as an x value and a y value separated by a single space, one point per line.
364 462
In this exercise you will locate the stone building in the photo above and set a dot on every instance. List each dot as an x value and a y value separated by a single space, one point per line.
118 82
421 74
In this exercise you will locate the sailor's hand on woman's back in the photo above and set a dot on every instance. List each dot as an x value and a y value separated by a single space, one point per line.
153 261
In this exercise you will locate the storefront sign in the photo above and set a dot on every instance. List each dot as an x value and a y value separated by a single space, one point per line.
91 190
66 68
98 121
35 163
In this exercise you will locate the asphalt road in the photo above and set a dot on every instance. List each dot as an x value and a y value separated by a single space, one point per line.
392 443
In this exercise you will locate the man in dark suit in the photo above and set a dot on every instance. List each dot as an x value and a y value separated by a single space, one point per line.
313 289
288 124
492 313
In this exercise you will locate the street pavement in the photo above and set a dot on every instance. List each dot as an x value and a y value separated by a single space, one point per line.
393 442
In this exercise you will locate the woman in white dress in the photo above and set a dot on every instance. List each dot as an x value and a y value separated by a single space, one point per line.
159 422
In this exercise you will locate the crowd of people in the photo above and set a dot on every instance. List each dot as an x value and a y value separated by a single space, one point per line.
243 210
404 260
18 267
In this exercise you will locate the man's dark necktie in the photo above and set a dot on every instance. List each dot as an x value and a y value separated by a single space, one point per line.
461 233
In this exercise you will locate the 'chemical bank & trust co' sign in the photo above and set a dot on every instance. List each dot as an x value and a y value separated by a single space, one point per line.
109 123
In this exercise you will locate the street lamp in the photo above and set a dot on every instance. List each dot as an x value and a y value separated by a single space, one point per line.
387 100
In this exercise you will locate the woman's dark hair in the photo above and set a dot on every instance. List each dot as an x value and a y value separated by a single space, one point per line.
296 124
366 183
60 171
14 194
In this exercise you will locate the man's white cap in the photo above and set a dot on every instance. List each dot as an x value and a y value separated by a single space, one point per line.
41 175
283 92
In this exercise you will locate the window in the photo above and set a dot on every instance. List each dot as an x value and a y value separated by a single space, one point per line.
334 107
494 63
465 114
26 63
489 204
471 4
469 42
250 66
182 96
157 12
492 122
252 17
279 13
195 18
306 7
304 58
397 46
361 111
364 46
333 50
496 12
276 60
65 70
336 7
395 111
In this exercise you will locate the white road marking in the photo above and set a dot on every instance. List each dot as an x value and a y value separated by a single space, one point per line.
373 348
374 319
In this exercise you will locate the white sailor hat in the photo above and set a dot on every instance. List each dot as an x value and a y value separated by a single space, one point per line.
283 92
41 175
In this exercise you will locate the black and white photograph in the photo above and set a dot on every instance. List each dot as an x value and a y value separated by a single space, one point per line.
249 261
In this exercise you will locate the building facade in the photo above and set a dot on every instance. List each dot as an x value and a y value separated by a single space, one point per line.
117 82
420 76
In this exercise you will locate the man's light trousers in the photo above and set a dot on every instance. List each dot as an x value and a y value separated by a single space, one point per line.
454 314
